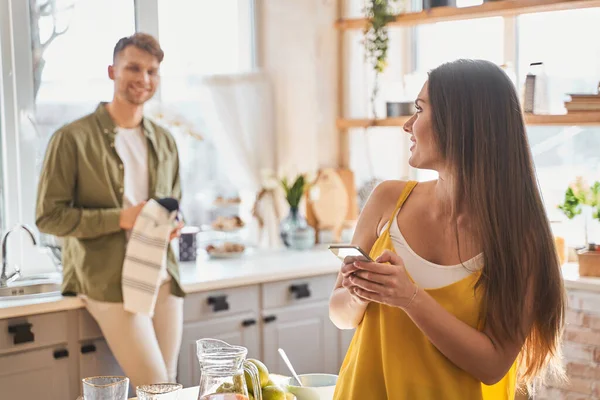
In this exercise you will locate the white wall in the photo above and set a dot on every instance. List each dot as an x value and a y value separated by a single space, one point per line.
297 46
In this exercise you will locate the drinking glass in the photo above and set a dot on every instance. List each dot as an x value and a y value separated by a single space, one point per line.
105 388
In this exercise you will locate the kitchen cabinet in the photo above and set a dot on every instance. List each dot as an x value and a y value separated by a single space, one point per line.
230 315
240 330
56 350
306 334
291 314
295 317
36 374
96 359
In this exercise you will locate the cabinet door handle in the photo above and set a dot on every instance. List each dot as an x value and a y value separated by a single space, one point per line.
63 353
22 333
88 348
300 291
248 322
269 319
219 303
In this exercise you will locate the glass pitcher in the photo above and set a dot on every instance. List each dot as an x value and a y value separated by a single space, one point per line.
222 368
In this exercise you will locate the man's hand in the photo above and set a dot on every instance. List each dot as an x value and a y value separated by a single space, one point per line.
177 231
129 215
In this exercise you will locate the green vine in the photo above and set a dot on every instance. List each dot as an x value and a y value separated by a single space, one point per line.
379 13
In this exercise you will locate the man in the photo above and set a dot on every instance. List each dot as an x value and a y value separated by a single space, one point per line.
91 192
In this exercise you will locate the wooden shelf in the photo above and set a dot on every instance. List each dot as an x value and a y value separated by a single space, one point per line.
343 123
573 119
491 9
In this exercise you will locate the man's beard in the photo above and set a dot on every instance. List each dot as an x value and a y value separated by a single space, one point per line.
138 101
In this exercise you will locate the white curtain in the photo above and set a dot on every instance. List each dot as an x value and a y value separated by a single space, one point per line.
241 123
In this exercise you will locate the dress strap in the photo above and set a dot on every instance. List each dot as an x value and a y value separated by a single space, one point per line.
410 185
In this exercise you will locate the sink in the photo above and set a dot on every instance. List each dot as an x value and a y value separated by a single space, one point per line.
26 289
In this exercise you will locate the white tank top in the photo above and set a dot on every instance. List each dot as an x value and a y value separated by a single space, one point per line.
426 274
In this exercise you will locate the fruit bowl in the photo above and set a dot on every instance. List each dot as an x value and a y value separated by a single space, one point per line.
315 386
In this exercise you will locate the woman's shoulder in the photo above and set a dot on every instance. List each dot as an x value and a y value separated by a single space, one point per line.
388 192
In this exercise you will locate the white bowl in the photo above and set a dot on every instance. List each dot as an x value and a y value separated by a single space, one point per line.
315 386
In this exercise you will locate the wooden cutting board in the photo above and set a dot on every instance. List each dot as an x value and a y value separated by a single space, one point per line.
348 179
328 202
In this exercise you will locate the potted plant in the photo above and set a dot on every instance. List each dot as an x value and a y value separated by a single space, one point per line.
582 199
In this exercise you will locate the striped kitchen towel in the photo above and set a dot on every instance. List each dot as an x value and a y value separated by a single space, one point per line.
146 258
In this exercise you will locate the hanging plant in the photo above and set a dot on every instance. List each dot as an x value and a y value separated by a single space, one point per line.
379 13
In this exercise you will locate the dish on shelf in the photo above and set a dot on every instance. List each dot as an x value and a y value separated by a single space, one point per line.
227 224
227 201
225 250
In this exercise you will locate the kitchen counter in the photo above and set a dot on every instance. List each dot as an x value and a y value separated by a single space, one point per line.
207 274
255 267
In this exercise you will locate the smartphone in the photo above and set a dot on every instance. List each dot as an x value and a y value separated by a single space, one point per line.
342 251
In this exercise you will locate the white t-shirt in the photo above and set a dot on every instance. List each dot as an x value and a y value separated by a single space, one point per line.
132 147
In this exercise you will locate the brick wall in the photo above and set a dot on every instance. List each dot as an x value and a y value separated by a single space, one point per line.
581 350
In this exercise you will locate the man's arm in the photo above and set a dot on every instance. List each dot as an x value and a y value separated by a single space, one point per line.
55 213
176 191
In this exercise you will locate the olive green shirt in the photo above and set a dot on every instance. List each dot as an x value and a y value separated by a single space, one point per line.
80 198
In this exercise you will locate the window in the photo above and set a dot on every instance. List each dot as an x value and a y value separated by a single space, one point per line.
72 46
447 41
190 55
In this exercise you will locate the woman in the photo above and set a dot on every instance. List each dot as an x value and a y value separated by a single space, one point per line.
465 297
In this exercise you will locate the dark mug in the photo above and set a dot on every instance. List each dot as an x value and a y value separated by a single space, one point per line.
188 243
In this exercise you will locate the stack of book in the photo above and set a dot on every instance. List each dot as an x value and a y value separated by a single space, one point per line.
583 103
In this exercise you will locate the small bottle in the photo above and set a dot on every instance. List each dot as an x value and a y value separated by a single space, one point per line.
535 99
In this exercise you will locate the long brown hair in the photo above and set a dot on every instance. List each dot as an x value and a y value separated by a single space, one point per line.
480 130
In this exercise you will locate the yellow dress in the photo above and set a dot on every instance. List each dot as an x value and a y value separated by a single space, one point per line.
390 358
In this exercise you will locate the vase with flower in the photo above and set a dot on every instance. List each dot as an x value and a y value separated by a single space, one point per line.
295 231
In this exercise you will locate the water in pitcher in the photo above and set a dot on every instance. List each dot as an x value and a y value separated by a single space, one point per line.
222 370
225 396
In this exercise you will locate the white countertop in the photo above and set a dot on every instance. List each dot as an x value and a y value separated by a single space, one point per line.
203 275
254 268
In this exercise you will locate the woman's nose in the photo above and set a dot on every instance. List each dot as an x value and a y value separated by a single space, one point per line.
409 124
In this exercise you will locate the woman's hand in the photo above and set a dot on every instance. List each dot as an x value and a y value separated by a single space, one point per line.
380 282
347 271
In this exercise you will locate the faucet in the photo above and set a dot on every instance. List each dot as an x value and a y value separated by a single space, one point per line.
4 279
